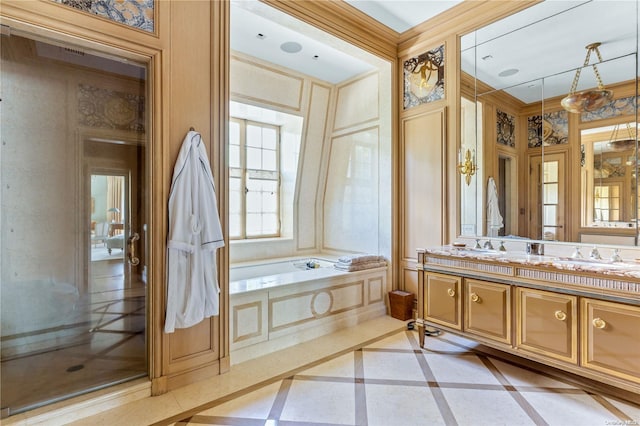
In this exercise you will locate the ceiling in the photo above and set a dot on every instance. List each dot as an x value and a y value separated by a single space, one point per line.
322 56
546 40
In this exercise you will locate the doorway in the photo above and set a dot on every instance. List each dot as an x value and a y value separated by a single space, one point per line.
73 264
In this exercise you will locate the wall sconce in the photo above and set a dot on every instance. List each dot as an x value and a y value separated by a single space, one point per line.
424 77
588 100
467 168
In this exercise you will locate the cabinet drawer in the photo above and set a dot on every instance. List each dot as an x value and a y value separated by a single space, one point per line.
547 323
611 338
442 300
488 310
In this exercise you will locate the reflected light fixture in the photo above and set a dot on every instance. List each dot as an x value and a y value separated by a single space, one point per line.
588 100
617 143
467 166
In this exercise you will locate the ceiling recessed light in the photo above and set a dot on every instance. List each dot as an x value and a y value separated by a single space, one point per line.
508 72
291 47
261 36
316 57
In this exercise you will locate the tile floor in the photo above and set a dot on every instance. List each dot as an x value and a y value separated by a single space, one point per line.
393 382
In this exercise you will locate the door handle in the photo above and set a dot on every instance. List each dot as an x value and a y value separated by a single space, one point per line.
132 248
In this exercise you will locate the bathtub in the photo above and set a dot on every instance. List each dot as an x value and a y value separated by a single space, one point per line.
282 302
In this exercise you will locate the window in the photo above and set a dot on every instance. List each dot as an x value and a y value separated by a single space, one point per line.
254 179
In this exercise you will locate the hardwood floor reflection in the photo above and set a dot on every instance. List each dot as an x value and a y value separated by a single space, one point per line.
101 343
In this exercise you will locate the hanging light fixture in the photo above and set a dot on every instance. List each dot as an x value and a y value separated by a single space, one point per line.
621 143
588 100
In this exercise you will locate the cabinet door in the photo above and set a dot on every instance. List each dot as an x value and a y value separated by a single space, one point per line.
442 300
611 338
547 323
488 310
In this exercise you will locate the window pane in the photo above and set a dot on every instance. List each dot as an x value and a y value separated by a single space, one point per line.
235 225
550 215
270 223
234 156
551 171
551 193
234 133
269 138
254 136
235 196
269 161
253 158
254 224
254 203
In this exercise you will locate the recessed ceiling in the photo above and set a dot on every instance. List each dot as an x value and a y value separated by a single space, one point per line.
258 30
263 32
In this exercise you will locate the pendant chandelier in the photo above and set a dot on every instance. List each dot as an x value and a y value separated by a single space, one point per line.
588 100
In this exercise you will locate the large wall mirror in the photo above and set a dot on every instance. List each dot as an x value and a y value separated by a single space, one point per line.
544 168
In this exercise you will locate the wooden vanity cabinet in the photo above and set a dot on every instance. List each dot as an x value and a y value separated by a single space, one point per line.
442 300
546 324
488 310
610 336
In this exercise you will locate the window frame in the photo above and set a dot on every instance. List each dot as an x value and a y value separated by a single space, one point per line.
245 174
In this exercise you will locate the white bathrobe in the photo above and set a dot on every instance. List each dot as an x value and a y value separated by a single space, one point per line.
494 218
194 236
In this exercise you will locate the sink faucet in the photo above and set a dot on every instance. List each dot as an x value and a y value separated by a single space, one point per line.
616 256
595 254
488 245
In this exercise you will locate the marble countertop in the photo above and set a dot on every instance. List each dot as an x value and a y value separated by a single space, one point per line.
626 268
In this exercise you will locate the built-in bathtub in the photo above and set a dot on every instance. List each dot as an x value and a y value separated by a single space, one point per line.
282 302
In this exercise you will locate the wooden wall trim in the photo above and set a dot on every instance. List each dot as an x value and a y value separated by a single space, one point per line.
46 15
220 97
345 22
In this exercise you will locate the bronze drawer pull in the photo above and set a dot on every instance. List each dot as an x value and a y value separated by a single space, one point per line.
451 292
599 323
560 316
475 298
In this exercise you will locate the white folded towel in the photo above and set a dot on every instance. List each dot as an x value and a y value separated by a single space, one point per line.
359 266
360 258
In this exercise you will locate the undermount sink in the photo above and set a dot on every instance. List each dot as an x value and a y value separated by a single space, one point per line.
594 263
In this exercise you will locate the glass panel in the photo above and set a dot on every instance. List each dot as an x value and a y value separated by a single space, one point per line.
254 160
269 138
269 160
254 136
73 171
550 171
551 193
550 215
234 156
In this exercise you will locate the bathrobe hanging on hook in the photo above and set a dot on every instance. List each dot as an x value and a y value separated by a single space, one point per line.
194 236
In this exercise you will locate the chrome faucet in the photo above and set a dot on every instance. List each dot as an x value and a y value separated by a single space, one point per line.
595 254
616 256
576 254
488 245
502 247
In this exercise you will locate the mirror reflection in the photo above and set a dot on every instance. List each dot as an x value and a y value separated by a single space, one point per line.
553 89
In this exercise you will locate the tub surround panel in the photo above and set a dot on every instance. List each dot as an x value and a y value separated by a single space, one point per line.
273 312
309 167
351 208
249 316
357 102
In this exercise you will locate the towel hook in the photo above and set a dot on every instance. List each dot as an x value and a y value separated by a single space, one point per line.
191 129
